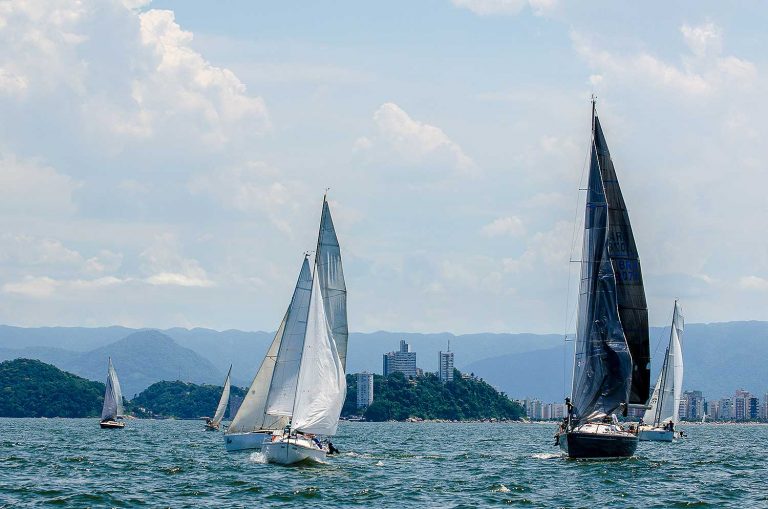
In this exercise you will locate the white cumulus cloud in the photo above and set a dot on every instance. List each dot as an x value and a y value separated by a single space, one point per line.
508 225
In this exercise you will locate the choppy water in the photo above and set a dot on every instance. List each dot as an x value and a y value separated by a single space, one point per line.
73 463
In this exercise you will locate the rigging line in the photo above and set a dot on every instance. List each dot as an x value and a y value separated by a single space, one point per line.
576 222
660 336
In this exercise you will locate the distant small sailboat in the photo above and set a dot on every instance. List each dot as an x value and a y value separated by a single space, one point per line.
113 401
213 424
254 424
612 357
662 415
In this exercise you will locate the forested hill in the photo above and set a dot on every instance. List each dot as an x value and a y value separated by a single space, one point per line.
398 398
181 400
30 388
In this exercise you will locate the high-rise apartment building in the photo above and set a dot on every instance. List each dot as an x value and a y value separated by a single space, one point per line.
445 366
403 361
364 389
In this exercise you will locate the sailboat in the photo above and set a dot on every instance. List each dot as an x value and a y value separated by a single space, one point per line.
662 415
113 401
253 424
612 357
213 424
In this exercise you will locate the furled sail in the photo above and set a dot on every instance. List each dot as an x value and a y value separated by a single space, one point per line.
630 294
332 285
603 363
665 401
252 414
222 406
113 396
322 386
282 389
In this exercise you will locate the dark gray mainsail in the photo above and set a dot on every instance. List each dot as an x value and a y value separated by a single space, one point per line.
603 364
331 279
630 293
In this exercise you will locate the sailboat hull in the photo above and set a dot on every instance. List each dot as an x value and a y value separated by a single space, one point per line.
290 452
246 441
111 425
598 445
655 435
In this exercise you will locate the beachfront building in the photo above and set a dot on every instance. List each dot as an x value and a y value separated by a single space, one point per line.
402 361
364 389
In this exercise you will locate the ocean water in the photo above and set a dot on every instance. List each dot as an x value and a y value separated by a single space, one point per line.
73 463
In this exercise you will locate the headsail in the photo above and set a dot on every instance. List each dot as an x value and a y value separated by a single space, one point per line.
622 251
332 285
113 396
252 414
222 406
322 386
282 389
665 401
603 364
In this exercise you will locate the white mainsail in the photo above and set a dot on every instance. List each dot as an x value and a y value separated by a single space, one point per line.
332 285
222 406
113 396
282 389
665 401
252 414
321 386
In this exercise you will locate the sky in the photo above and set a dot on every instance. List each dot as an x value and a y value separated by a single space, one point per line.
163 163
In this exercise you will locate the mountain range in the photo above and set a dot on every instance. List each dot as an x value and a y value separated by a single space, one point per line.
719 357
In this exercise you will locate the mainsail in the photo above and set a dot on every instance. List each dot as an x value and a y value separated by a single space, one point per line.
622 251
665 401
332 285
113 396
222 406
603 365
321 386
282 389
252 414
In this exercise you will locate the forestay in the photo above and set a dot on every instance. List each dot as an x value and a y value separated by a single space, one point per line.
282 389
332 285
665 401
222 406
252 415
322 386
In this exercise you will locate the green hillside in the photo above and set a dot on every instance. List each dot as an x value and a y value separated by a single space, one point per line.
398 398
181 400
30 388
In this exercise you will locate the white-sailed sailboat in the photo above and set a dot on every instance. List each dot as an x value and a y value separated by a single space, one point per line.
612 357
113 401
253 424
662 415
213 424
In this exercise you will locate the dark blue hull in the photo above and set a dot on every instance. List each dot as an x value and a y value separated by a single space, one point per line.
597 445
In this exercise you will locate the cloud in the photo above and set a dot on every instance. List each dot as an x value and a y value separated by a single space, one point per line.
102 75
44 287
704 70
248 188
30 188
504 226
165 266
753 283
506 7
415 143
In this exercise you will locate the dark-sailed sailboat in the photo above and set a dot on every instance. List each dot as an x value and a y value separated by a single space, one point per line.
612 354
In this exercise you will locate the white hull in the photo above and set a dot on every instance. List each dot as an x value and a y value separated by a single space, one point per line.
246 441
655 435
288 452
